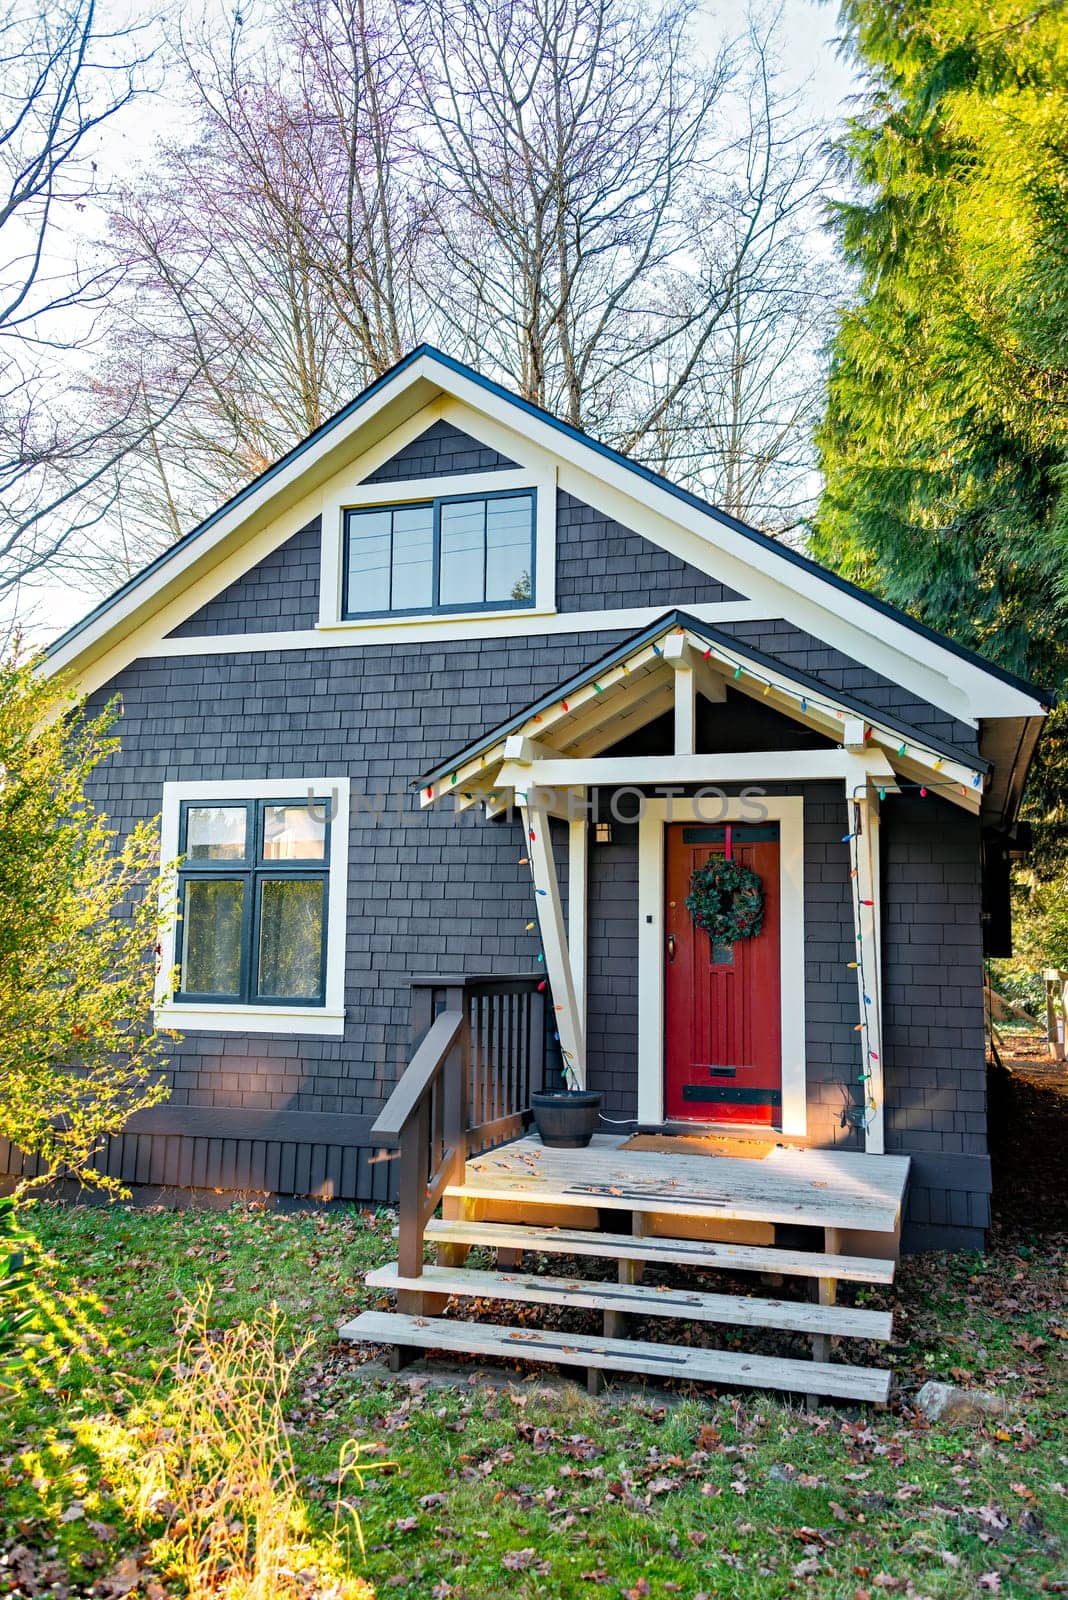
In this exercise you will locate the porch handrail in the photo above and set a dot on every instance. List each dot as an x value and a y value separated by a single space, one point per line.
479 1053
418 1076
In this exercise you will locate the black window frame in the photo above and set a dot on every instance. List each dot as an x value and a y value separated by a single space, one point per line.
253 869
436 607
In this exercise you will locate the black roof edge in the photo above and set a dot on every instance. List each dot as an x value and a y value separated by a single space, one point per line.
762 540
679 618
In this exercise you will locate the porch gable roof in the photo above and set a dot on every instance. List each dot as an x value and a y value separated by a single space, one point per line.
630 685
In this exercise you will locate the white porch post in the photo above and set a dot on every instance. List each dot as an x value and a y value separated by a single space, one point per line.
558 970
863 810
692 674
578 850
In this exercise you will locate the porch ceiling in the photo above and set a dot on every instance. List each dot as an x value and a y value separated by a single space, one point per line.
638 682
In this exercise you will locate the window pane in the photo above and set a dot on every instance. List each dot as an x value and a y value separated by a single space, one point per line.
215 833
369 555
211 942
462 553
295 833
413 558
508 548
291 937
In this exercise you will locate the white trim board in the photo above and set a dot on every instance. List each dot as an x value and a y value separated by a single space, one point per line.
327 1019
171 592
789 812
531 622
758 766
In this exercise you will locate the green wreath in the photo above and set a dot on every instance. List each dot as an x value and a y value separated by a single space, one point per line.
726 899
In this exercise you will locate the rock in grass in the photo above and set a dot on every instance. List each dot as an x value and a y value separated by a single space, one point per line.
944 1402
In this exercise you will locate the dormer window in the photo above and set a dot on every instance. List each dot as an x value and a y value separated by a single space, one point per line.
453 553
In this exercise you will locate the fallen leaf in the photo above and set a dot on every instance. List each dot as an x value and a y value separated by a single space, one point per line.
125 1577
519 1560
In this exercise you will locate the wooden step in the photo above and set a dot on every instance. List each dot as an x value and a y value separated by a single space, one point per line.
680 1252
730 1368
639 1299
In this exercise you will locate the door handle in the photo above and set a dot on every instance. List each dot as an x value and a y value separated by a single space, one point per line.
671 947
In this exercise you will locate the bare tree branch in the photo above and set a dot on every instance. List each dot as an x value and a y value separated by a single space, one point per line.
62 77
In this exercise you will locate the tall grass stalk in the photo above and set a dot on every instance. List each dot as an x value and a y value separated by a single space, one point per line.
215 1465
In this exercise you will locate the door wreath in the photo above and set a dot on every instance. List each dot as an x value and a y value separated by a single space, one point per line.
726 899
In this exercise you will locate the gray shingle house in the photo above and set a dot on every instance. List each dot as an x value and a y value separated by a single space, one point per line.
454 695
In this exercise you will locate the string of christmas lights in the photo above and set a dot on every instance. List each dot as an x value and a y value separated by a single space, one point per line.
868 1102
742 672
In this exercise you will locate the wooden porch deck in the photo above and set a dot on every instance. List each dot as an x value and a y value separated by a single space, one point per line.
459 1118
844 1190
673 1204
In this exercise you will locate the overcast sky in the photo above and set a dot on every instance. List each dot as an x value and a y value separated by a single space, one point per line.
807 31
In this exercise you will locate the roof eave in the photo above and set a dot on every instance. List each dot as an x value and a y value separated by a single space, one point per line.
1004 797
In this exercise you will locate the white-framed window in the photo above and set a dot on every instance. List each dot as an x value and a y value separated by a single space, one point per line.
458 549
257 940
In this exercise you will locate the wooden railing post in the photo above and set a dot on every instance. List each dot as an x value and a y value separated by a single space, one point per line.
414 1143
479 1051
421 1011
455 1089
538 1041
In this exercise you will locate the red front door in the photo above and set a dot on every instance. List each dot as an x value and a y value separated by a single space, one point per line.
723 1055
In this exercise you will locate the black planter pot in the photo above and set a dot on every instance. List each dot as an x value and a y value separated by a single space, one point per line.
566 1118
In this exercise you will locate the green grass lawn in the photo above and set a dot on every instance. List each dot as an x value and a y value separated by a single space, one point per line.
530 1488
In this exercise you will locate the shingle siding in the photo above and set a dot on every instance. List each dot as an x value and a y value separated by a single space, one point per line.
427 890
803 651
933 974
280 593
601 564
442 451
432 892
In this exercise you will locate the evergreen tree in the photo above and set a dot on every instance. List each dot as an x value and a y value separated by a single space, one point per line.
945 441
